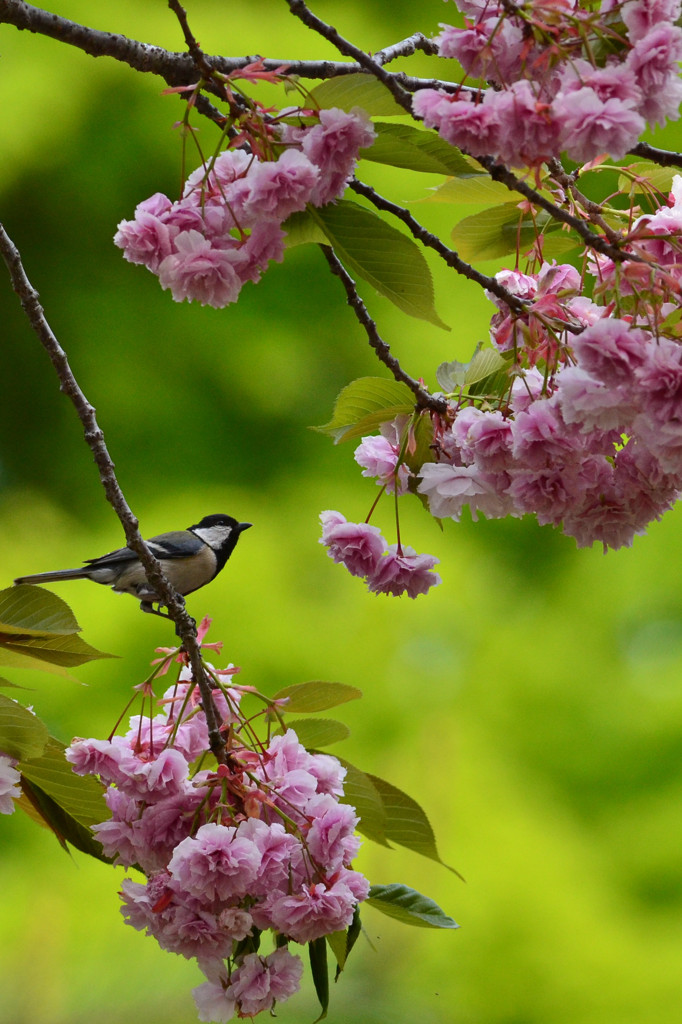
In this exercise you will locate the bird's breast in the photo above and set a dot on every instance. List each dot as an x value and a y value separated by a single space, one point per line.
185 575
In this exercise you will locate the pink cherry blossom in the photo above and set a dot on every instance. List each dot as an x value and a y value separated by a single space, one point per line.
379 458
215 864
199 271
358 545
9 784
403 571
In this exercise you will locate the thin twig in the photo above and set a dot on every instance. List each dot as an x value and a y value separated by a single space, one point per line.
450 257
424 398
301 11
498 172
94 438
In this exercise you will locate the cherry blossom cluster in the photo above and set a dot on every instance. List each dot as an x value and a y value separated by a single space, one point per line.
580 79
262 842
386 568
227 226
588 436
593 443
10 789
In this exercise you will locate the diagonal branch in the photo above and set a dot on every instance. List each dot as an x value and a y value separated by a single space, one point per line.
424 398
94 438
300 10
449 256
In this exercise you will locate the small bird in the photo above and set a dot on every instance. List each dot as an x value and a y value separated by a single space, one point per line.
189 558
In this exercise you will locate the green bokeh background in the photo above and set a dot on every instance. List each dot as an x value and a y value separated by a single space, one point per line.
532 703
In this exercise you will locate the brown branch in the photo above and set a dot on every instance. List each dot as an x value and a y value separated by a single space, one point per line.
424 399
301 11
664 157
498 172
449 256
94 438
180 68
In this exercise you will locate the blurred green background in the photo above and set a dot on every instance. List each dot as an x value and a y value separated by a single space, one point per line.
532 703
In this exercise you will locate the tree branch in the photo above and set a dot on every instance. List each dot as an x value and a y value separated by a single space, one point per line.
301 11
424 398
449 256
94 438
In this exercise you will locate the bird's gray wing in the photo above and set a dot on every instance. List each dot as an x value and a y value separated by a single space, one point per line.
178 544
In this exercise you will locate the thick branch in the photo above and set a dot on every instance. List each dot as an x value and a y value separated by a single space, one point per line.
180 68
664 157
424 399
94 438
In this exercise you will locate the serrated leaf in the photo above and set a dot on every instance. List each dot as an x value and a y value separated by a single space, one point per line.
499 231
22 734
653 177
406 822
302 229
361 793
57 650
317 950
318 732
403 145
34 611
364 400
316 695
383 256
409 906
471 189
80 796
356 90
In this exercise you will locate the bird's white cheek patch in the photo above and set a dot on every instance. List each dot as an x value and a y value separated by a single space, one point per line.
214 536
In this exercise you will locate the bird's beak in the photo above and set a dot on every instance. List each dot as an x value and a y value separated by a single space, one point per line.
243 526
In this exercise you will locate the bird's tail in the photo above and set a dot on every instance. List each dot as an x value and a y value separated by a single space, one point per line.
54 577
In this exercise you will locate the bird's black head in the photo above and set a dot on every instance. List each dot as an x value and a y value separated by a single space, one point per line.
221 533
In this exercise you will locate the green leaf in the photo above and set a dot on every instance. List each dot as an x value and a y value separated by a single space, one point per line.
364 404
356 90
318 732
22 734
341 943
386 258
455 375
302 229
360 792
7 683
43 809
653 178
317 950
61 650
499 231
33 611
471 189
403 145
80 796
408 906
11 656
406 822
307 698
